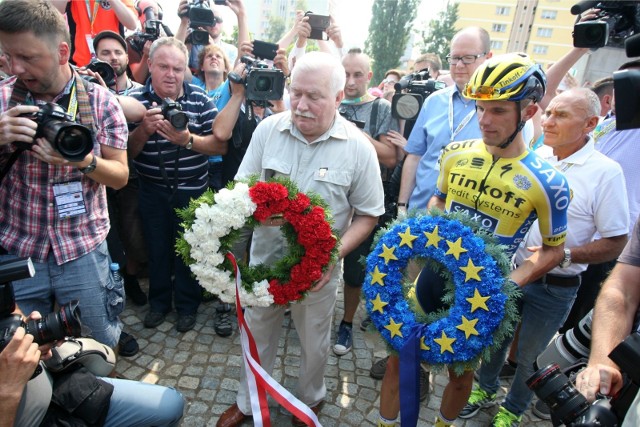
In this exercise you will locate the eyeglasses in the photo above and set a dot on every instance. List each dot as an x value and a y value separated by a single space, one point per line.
389 81
218 19
466 59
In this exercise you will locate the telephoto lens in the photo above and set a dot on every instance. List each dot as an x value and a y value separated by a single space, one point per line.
56 326
556 390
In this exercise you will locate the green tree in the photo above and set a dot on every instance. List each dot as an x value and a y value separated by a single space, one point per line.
437 38
389 30
276 29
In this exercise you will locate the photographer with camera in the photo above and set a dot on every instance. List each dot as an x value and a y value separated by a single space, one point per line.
616 315
170 148
31 394
188 27
55 170
85 23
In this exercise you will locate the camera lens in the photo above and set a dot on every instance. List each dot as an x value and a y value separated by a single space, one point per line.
56 326
556 390
263 84
71 140
199 37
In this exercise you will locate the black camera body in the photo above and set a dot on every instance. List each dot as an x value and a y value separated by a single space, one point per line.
52 327
411 91
172 111
554 386
150 31
262 83
319 25
200 15
616 21
104 69
72 140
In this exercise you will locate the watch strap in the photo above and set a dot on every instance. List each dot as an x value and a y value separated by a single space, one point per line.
91 166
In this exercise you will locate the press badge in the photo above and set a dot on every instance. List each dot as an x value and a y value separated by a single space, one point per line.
69 199
89 38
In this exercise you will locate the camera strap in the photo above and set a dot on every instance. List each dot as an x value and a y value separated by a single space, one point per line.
163 170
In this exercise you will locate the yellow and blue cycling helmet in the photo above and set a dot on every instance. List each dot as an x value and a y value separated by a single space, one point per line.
509 77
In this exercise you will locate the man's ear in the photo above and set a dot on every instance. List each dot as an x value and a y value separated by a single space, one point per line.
339 97
591 124
529 111
63 53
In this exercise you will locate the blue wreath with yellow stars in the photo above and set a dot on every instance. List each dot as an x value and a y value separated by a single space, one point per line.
480 297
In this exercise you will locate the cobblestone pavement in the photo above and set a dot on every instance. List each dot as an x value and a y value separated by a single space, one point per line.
206 368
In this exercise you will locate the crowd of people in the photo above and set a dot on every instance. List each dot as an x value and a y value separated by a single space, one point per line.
533 134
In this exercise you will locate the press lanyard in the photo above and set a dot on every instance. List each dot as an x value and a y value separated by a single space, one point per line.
601 131
92 16
354 101
464 121
73 103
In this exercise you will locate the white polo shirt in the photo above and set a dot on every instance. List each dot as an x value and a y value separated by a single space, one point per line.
599 205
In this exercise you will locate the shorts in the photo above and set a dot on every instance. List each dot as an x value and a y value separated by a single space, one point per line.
354 271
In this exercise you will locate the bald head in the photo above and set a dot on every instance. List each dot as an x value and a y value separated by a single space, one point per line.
583 99
358 73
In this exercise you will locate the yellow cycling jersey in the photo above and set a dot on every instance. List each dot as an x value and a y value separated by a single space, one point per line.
504 195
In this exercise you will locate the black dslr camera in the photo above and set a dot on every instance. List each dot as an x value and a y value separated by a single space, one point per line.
72 140
417 87
52 327
104 69
616 21
554 386
200 15
172 111
262 83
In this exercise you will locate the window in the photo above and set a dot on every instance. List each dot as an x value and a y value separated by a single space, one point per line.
503 11
549 14
545 32
499 28
539 49
496 44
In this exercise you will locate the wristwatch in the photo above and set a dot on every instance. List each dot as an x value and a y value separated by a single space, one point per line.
91 167
190 143
566 261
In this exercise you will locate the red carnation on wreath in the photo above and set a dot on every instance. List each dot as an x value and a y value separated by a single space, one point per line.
312 243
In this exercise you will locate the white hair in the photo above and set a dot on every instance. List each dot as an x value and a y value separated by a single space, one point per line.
313 62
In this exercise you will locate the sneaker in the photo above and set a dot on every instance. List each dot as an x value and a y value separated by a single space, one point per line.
222 322
506 418
345 340
508 370
378 369
541 410
478 399
364 326
153 319
186 322
424 385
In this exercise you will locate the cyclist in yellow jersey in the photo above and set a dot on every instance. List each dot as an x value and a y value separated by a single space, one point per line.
502 185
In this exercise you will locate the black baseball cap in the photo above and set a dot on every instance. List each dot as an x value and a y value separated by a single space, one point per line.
107 34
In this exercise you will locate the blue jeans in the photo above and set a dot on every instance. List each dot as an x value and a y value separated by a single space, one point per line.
86 279
543 310
135 403
161 225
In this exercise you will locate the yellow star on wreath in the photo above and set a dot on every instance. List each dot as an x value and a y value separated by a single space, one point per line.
445 343
377 276
478 301
378 304
407 238
423 345
387 254
471 271
455 248
433 238
394 328
468 327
